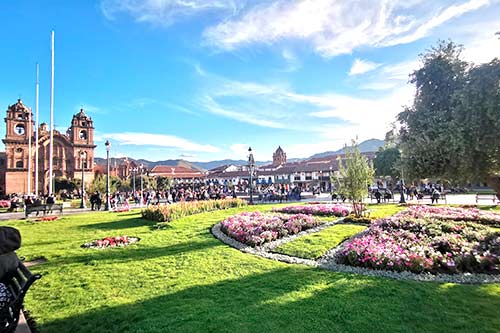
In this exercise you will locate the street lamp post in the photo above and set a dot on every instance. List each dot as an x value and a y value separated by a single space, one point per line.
402 184
141 167
108 146
330 178
251 167
319 180
134 171
82 161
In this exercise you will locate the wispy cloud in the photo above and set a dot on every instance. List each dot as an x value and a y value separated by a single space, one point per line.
89 109
160 140
332 116
360 66
336 27
292 61
164 12
239 150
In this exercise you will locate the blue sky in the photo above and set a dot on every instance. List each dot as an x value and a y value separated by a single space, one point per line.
204 79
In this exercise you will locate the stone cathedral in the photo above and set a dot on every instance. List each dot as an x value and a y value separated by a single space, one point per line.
72 151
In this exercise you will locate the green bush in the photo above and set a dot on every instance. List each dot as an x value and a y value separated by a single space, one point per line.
359 220
167 213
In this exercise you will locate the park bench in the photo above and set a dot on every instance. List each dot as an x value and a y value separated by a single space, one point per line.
386 196
18 282
428 197
45 208
486 196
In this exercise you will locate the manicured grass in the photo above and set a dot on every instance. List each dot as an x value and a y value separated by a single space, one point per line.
315 245
384 210
182 279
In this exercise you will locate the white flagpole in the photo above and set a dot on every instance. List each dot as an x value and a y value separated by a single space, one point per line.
51 143
29 152
36 132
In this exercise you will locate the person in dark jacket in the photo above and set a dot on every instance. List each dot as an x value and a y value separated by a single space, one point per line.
10 240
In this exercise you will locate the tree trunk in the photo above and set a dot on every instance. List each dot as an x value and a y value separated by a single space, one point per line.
494 182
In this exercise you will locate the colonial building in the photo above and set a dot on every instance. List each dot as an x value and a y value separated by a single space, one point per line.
279 157
72 151
313 172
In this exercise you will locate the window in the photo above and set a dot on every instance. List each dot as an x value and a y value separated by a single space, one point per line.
296 178
20 116
83 135
19 129
308 178
84 123
19 164
19 150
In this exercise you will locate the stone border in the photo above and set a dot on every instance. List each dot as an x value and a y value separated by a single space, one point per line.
328 260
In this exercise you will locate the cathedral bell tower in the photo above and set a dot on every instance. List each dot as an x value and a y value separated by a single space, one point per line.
19 127
81 134
19 123
279 157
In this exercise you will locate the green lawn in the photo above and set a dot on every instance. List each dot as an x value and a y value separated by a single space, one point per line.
182 279
315 245
383 210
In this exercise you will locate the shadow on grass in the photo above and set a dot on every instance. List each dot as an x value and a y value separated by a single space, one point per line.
297 300
133 253
113 224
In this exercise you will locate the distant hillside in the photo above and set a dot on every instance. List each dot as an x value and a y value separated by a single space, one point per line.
214 164
149 164
371 145
365 146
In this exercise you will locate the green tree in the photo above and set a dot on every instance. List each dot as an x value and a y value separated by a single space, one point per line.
355 177
163 183
429 129
387 162
99 184
69 185
452 130
479 118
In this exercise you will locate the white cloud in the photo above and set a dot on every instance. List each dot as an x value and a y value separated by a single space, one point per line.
164 12
160 140
292 61
360 66
333 117
390 76
336 27
210 105
239 150
437 20
89 109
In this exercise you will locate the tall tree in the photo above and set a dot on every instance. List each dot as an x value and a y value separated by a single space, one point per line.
480 122
452 130
429 127
387 162
355 177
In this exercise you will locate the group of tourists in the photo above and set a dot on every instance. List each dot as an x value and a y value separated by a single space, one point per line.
17 201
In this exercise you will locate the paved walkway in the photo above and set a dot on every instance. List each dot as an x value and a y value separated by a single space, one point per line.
455 199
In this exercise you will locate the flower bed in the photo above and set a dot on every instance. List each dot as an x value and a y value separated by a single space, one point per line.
455 214
404 243
167 213
47 218
318 210
118 241
256 228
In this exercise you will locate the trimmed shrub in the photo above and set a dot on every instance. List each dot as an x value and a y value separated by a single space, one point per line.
167 213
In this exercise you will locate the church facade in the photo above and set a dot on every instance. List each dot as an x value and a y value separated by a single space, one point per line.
72 151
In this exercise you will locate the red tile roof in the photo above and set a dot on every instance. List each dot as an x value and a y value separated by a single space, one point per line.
175 172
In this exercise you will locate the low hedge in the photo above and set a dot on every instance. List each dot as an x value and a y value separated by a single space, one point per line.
167 213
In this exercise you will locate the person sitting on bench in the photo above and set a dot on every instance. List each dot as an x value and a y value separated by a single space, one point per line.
10 240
